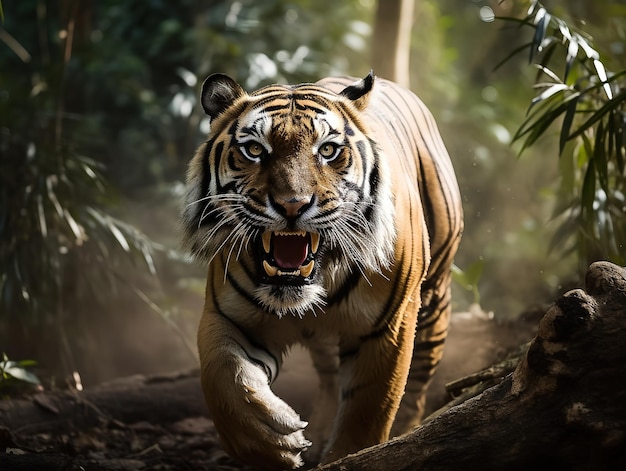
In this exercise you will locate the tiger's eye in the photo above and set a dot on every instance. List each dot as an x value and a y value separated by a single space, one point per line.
254 149
327 150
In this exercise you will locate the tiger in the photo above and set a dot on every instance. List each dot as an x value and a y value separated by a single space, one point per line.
329 216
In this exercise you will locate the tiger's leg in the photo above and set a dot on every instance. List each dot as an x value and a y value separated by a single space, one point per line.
325 355
432 329
372 378
255 426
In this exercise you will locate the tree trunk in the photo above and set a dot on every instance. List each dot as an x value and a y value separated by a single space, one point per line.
391 40
564 406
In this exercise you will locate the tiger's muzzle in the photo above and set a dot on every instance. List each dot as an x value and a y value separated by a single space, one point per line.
289 257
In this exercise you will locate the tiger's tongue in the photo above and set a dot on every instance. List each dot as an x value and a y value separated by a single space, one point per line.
289 250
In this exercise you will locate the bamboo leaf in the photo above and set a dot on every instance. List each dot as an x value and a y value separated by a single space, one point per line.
51 182
118 236
613 104
572 53
564 29
603 78
147 256
619 125
526 21
567 172
539 121
590 52
600 158
549 73
567 124
588 192
533 6
585 152
550 91
610 138
17 372
548 47
540 17
512 54
77 229
43 227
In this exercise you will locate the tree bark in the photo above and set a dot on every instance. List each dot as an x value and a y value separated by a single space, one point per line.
391 40
564 406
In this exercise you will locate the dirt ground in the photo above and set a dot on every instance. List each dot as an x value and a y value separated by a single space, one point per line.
191 443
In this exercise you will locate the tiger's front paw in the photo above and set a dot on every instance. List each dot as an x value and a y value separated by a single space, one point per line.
257 427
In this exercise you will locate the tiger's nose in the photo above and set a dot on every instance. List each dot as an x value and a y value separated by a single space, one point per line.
292 207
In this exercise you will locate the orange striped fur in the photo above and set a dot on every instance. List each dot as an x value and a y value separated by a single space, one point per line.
329 215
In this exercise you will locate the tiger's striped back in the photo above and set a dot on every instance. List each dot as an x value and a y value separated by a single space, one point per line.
329 215
403 126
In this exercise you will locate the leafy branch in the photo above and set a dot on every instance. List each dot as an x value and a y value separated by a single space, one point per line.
588 101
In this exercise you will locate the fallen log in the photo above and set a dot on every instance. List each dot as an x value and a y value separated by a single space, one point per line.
564 406
168 397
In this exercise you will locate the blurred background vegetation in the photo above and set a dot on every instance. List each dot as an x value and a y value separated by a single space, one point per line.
99 117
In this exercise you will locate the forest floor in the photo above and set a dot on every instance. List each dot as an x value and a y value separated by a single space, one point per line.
191 442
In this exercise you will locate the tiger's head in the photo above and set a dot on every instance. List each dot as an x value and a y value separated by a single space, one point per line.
291 184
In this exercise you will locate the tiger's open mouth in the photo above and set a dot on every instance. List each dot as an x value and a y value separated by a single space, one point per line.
289 257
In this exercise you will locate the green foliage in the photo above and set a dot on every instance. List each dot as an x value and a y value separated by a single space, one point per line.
14 375
588 102
468 279
59 241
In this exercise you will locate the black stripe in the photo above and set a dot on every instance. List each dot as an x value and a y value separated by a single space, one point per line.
221 313
362 149
427 345
429 210
426 318
374 182
272 108
231 161
301 106
350 392
374 334
206 169
344 290
230 187
422 368
347 354
242 292
389 306
424 376
217 157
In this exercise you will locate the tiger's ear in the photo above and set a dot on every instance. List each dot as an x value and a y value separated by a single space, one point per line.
219 91
359 92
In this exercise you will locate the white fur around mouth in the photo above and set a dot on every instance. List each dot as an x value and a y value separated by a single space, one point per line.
303 269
